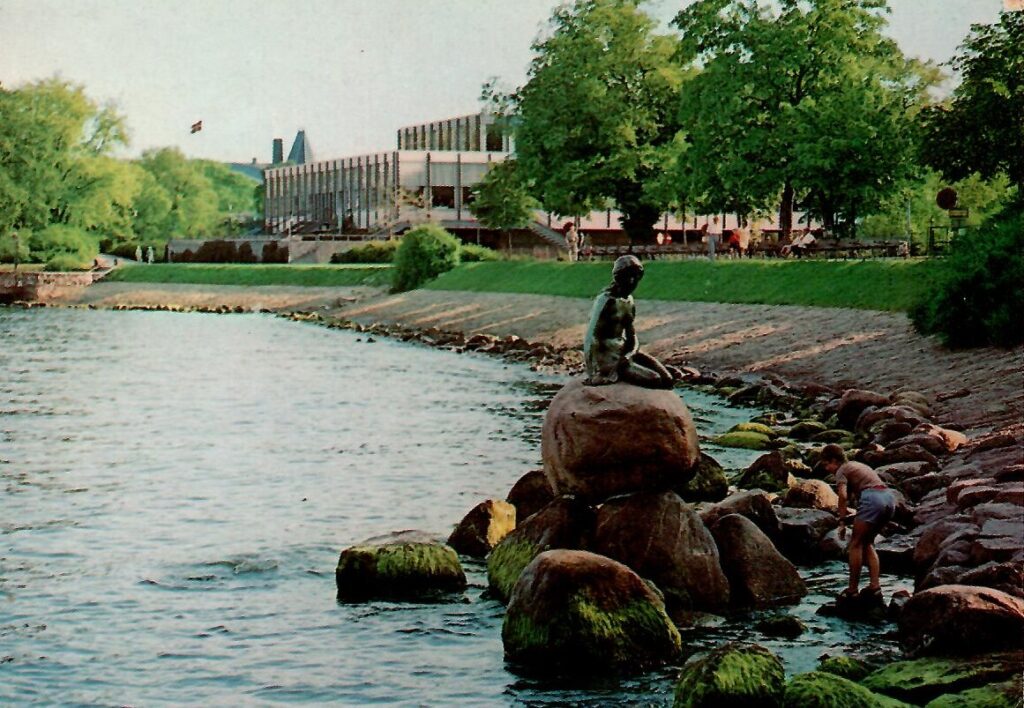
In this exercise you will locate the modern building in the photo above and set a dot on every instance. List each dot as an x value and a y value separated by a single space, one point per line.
430 174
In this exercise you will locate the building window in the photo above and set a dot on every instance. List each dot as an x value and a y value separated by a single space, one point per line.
493 138
443 197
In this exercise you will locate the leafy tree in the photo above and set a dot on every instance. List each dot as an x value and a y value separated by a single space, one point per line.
193 199
982 128
53 147
597 104
502 199
803 98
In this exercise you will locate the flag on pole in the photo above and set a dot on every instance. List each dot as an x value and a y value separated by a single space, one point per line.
197 126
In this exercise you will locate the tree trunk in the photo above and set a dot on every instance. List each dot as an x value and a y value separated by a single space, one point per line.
786 210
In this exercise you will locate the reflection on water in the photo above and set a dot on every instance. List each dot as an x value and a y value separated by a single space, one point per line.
175 489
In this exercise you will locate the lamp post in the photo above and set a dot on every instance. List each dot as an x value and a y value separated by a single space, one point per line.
17 250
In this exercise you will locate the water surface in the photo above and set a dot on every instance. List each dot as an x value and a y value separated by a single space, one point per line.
175 490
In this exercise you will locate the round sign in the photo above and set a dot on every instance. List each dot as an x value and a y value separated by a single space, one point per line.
946 198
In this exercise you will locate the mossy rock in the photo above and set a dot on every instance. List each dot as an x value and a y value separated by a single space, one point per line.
833 436
806 429
708 484
845 666
576 611
727 391
753 427
732 675
922 680
996 695
818 689
402 566
506 563
769 418
744 439
786 626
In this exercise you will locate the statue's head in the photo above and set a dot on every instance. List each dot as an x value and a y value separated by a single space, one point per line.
627 272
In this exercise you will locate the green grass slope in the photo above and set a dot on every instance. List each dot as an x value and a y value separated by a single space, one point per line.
301 275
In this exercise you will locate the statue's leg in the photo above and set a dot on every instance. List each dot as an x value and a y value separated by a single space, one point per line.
668 374
639 375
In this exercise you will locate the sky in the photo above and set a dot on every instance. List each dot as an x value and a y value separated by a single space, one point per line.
349 72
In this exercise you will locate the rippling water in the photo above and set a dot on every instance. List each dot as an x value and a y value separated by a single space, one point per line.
175 489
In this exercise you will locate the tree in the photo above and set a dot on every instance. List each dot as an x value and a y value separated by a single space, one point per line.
193 200
982 128
597 104
803 98
53 147
502 199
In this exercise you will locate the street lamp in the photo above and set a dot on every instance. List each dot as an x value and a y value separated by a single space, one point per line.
17 250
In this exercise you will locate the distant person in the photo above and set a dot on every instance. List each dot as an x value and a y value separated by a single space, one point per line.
138 254
572 243
903 249
875 508
149 255
803 243
711 235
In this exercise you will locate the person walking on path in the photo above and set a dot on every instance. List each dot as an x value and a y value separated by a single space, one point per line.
875 507
712 233
149 255
572 243
138 254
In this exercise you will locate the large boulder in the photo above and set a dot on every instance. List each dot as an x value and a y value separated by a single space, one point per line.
753 504
579 611
483 527
759 576
564 523
732 675
407 565
802 533
962 619
530 494
599 441
663 539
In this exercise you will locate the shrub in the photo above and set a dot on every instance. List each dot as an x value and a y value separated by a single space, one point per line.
67 247
15 250
273 252
423 254
978 297
471 253
216 251
245 254
370 252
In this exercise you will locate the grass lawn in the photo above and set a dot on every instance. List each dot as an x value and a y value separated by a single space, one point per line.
234 274
893 285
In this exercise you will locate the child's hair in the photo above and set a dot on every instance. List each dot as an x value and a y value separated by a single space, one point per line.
833 453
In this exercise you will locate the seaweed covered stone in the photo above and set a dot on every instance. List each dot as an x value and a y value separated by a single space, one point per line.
819 689
848 667
926 679
406 565
561 524
579 612
599 441
735 674
709 482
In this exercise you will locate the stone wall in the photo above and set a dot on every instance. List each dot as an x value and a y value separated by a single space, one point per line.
36 286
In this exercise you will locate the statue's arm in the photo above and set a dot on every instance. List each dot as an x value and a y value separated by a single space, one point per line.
631 344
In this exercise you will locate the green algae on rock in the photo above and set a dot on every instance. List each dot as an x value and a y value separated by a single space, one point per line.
407 565
560 524
753 427
819 689
997 695
922 680
847 667
746 440
708 484
733 675
806 429
578 611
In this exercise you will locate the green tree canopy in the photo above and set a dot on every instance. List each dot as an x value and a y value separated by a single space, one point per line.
598 102
803 98
502 199
193 199
982 128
